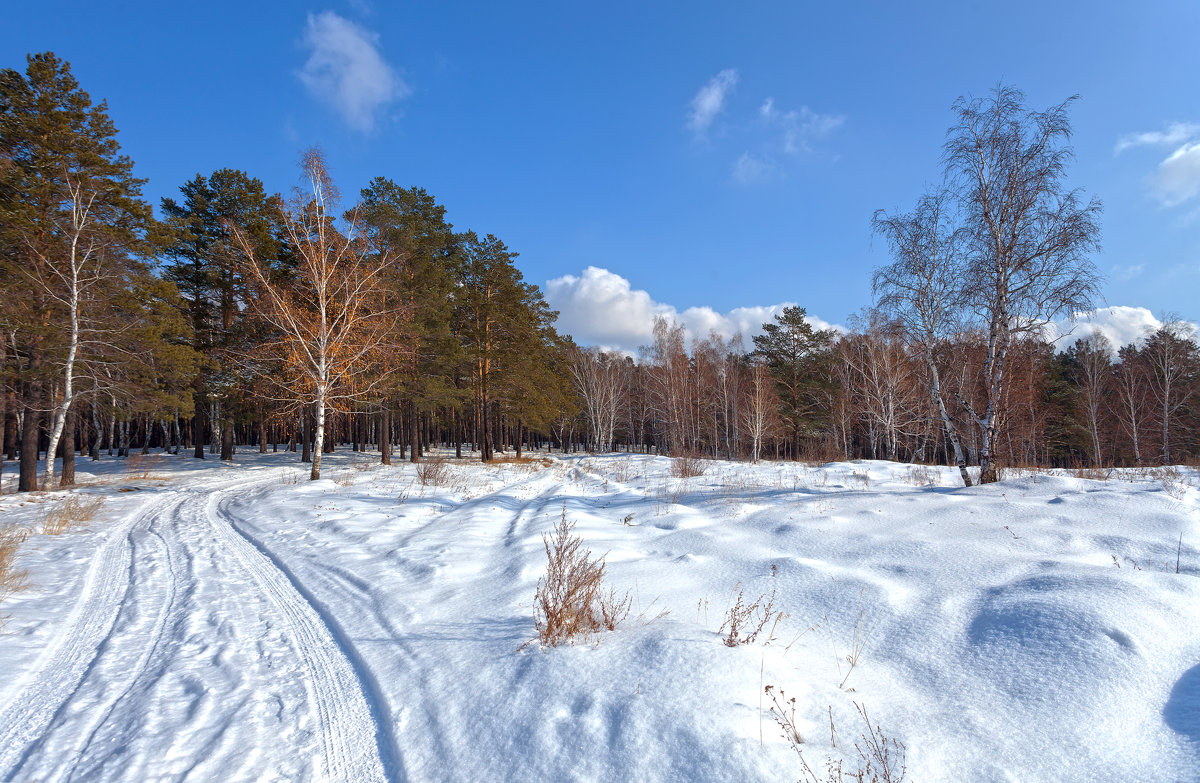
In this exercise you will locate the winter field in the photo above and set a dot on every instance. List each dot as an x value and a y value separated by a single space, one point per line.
225 622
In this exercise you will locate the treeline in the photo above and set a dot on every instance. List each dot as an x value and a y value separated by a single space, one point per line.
867 393
246 319
952 364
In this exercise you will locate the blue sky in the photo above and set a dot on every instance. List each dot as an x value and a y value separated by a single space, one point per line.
704 160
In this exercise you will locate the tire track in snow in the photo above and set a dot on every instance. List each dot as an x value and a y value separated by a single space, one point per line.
339 685
50 687
139 668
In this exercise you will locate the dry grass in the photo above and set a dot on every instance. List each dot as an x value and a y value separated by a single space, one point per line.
142 466
923 476
879 758
571 602
1174 482
12 579
622 470
864 625
745 622
432 471
524 460
64 515
667 495
1094 474
687 466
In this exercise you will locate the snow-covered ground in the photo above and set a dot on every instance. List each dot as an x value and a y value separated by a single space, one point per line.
222 622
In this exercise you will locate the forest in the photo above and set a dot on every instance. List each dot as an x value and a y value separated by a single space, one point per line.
244 319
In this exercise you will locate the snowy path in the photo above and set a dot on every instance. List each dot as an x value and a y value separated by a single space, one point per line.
189 639
234 622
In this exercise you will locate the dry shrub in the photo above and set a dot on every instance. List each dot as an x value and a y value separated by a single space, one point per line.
923 476
142 466
622 469
1094 473
68 513
523 460
880 758
432 471
12 579
744 622
687 466
570 600
1174 482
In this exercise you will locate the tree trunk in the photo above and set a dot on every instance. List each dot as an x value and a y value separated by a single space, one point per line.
12 427
27 481
458 434
385 434
318 438
226 435
414 432
67 479
306 435
199 428
947 421
94 451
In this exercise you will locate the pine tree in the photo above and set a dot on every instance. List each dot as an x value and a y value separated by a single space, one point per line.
203 263
71 214
409 226
795 354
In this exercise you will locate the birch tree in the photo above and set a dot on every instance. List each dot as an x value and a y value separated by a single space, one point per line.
922 290
329 319
1028 236
1172 362
1092 378
71 212
600 378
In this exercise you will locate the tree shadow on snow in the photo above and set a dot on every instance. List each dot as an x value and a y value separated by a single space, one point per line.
1182 712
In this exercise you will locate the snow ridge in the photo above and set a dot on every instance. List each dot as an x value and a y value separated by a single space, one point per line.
64 668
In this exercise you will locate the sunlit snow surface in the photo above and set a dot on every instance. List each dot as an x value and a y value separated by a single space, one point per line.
237 622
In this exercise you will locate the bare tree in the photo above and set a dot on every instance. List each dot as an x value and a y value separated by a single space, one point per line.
600 378
1027 235
730 376
760 411
883 381
1171 358
1093 379
330 320
922 290
668 381
1131 399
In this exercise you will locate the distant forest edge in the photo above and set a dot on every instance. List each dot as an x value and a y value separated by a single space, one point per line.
248 319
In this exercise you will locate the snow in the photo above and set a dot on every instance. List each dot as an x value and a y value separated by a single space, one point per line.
237 622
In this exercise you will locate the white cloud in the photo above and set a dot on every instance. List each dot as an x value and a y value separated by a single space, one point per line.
710 100
1175 134
1126 273
799 128
751 168
1177 178
1120 324
345 69
599 307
